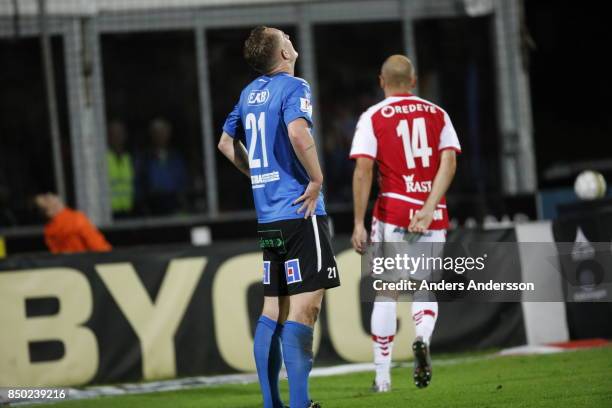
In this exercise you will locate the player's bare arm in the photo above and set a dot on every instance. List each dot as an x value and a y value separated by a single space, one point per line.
362 184
422 218
235 151
306 152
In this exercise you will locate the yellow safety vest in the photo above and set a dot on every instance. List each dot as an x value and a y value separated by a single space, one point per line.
121 179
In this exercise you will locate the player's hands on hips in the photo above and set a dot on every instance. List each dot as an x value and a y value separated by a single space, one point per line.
420 221
309 199
359 238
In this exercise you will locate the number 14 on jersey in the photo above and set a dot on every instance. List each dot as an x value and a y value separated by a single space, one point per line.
415 142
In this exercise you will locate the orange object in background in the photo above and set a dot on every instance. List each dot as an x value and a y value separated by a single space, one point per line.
71 231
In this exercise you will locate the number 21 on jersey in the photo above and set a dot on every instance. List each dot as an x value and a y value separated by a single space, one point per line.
415 142
257 126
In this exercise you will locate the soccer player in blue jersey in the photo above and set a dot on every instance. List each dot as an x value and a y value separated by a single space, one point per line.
267 136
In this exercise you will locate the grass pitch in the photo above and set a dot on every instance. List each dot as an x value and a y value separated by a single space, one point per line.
572 379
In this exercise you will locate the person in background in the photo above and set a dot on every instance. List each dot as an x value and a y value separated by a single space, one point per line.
68 230
162 174
120 170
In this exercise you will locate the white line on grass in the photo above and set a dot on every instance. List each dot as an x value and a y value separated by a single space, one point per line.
211 381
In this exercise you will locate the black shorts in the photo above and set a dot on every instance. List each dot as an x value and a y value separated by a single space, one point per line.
298 256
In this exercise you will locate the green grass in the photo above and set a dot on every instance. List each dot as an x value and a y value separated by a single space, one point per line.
574 379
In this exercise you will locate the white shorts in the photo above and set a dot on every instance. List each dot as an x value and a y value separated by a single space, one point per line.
412 244
383 232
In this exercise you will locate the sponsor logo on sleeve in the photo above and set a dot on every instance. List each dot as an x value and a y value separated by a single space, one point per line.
305 105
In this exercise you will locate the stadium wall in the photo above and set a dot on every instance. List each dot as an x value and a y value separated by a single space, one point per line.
163 312
90 7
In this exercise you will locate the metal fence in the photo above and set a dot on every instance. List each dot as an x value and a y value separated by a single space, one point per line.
171 70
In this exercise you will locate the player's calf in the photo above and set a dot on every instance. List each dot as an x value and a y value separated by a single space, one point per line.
305 307
307 314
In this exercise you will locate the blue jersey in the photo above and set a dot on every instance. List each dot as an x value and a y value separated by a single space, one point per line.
266 106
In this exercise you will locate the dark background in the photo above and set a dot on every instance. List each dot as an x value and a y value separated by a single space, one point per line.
154 74
570 82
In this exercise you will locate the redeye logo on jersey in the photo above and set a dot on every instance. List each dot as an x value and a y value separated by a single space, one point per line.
390 110
266 273
292 271
416 186
258 97
305 105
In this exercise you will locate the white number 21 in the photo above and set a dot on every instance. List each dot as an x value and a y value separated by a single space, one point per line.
253 124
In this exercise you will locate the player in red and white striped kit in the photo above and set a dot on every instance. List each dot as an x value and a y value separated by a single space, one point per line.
414 144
